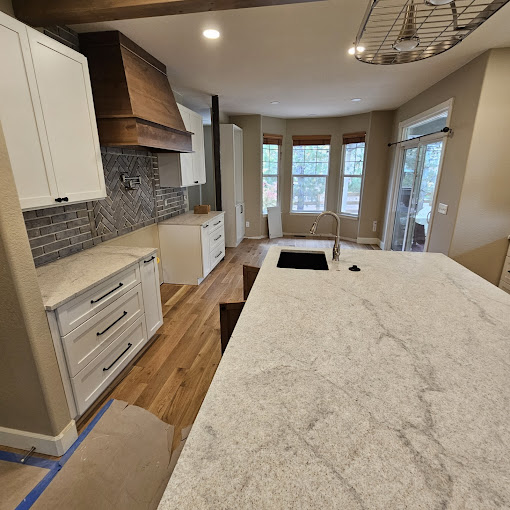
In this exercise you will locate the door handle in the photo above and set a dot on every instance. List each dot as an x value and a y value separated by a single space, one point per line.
150 260
242 209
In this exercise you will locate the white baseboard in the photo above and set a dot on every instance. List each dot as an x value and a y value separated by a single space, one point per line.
381 244
255 237
49 445
368 240
326 236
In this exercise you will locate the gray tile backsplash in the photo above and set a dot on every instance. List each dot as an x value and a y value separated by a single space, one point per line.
60 231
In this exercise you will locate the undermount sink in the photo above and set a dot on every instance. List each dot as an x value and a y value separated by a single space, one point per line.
315 260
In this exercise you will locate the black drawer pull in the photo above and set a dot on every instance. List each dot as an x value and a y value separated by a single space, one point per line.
65 199
150 260
92 301
218 255
217 223
219 237
112 324
196 182
205 226
58 200
122 354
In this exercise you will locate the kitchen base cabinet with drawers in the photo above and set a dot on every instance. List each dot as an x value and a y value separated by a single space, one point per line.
97 332
192 245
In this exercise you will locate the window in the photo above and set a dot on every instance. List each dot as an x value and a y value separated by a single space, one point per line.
270 170
310 168
352 173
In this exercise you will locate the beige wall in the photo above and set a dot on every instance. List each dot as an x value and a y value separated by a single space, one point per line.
31 393
147 237
375 183
6 6
464 87
483 221
252 164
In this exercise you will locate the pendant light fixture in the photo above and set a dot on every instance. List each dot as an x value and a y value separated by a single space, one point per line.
403 31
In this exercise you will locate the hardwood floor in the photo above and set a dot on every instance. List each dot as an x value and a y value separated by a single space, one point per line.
173 375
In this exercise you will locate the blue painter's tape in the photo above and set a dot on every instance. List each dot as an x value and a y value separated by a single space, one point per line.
41 486
31 461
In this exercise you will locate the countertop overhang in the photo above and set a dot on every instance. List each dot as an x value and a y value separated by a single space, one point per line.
66 278
384 388
191 219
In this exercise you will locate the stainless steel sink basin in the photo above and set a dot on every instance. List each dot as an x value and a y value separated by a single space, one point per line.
314 260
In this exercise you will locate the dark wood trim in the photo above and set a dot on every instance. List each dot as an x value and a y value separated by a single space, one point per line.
229 315
215 121
67 12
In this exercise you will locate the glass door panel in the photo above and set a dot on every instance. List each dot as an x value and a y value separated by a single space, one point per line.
418 181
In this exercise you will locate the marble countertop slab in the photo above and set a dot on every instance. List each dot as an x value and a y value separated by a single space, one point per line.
66 278
191 219
387 388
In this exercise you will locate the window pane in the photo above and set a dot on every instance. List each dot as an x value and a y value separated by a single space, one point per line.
270 159
310 160
351 194
308 194
269 193
298 154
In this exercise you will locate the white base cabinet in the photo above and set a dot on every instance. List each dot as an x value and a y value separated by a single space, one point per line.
504 283
190 252
99 332
48 120
182 170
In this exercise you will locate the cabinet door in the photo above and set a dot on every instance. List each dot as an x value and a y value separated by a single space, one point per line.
21 118
149 275
197 127
238 165
187 178
65 94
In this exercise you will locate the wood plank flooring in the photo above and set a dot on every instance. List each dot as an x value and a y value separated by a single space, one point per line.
173 375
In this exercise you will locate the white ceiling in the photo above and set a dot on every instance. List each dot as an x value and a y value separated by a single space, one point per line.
295 54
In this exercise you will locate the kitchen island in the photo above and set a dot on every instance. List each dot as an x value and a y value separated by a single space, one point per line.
386 388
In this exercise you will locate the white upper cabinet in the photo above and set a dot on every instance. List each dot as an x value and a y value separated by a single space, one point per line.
177 170
47 116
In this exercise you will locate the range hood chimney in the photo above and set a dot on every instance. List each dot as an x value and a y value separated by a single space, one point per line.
134 103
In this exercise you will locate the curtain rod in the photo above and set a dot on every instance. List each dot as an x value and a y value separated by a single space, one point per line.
444 130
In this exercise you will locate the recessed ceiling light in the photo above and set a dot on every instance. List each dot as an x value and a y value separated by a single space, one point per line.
211 33
356 99
275 102
438 2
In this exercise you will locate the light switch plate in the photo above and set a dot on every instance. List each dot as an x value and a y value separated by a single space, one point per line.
247 224
442 209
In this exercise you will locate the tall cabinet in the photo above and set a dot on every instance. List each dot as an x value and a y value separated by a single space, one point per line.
232 193
48 120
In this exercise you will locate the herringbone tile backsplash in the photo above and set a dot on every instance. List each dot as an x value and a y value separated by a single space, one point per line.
60 231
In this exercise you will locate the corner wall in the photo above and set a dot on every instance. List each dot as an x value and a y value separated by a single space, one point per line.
483 221
32 397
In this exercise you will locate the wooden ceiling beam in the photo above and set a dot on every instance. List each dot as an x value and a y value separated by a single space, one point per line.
69 12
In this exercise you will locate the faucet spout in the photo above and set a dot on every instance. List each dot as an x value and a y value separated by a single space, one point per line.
336 247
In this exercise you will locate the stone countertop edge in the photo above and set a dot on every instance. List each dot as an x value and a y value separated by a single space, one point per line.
191 219
69 277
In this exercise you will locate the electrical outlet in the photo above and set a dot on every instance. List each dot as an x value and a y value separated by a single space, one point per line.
442 209
374 226
247 224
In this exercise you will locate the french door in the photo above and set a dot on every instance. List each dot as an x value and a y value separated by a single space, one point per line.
419 172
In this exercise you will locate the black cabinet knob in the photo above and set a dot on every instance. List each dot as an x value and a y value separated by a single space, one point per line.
65 199
58 200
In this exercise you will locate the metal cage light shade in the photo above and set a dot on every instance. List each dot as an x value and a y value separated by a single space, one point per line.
402 31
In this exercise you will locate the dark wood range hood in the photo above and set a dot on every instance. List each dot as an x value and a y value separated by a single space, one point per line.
134 103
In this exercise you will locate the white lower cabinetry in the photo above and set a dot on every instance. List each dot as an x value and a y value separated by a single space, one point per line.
97 333
504 283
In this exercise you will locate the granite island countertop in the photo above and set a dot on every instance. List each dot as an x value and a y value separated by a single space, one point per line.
68 277
387 388
192 219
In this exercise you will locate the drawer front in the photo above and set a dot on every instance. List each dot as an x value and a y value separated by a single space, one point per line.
505 275
504 286
81 308
216 256
100 372
217 237
217 222
89 339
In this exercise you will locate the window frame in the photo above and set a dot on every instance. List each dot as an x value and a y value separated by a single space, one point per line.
343 175
322 176
278 178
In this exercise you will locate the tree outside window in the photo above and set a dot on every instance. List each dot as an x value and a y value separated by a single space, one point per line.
270 169
352 176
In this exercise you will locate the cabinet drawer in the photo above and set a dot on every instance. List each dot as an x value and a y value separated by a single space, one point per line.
100 372
217 237
216 222
81 308
216 255
89 339
505 275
